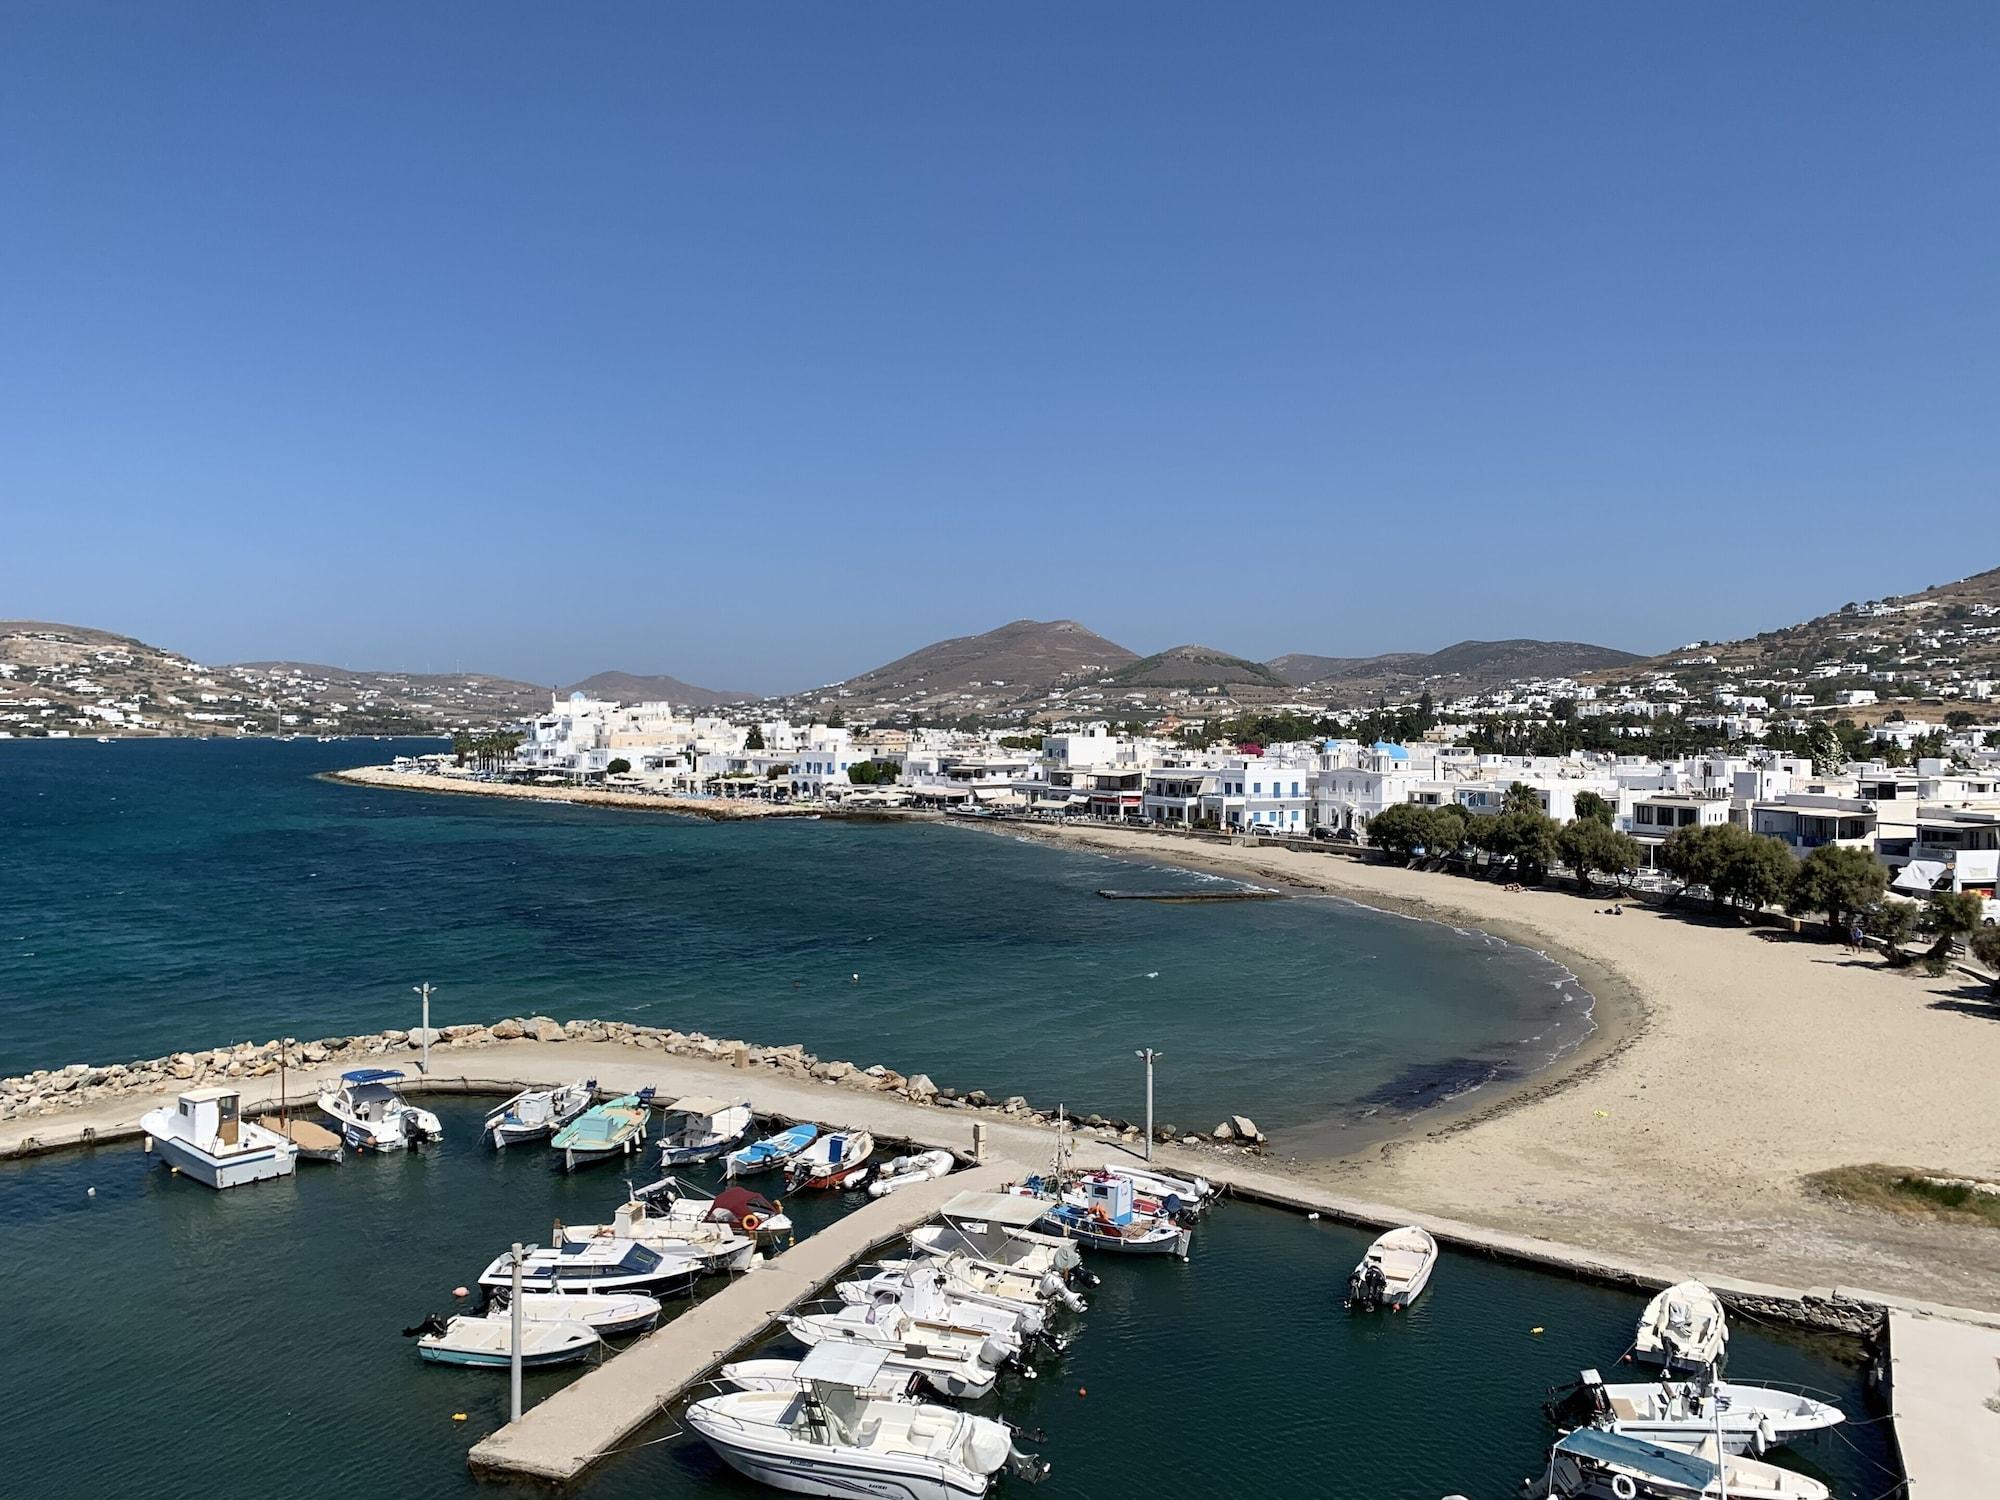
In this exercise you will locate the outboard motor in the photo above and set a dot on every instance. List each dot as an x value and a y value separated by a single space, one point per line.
1366 1287
1583 1404
432 1326
412 1131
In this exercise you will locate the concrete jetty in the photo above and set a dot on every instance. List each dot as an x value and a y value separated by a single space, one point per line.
585 1420
1944 1388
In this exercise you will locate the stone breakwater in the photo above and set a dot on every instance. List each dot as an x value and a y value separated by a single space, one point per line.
51 1091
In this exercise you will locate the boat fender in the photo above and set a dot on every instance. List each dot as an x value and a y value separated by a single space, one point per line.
1623 1487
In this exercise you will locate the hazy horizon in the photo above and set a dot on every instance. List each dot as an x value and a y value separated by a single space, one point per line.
760 347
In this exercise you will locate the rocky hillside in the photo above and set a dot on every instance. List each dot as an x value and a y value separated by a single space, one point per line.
1467 667
640 687
1204 671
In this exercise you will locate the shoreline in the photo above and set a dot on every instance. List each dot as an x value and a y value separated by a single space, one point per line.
714 809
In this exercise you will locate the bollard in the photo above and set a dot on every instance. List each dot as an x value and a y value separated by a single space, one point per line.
978 1143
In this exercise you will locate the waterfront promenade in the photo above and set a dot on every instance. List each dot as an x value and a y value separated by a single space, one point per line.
585 1420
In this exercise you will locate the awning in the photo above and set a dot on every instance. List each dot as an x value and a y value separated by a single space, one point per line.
697 1104
997 1208
1919 875
839 1362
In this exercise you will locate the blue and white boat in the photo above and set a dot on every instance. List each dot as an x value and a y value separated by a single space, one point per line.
698 1129
488 1343
1592 1465
372 1116
772 1151
1100 1214
616 1127
204 1137
534 1113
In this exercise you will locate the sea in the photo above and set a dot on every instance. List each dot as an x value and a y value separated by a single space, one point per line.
168 1340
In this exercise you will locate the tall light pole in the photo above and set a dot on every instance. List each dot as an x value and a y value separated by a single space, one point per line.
424 989
1148 1056
514 1360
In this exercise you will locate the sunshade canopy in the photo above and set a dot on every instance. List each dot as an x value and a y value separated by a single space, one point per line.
997 1208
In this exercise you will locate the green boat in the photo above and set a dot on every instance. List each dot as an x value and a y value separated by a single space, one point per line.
616 1127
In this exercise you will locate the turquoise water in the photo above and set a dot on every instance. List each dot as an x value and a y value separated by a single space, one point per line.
161 895
169 1340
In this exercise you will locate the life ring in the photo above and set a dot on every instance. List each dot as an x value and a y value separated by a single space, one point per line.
1623 1487
751 1222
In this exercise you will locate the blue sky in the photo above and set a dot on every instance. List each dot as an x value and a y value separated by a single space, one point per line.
759 344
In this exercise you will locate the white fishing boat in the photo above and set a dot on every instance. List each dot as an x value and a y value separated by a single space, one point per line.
204 1137
1394 1272
719 1246
1592 1465
983 1281
833 1437
1171 1193
904 1171
489 1342
534 1113
1683 1328
597 1265
893 1384
929 1299
743 1209
372 1116
961 1363
996 1228
610 1315
1100 1213
834 1160
698 1129
1750 1418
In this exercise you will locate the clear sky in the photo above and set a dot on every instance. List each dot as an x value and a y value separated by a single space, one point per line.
761 343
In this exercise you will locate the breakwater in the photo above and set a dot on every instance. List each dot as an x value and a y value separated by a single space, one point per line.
716 809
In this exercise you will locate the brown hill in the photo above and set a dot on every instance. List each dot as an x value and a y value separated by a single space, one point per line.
1021 661
1201 669
1468 666
639 687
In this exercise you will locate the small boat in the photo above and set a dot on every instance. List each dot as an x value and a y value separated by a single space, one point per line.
837 1159
372 1116
315 1142
681 1228
994 1228
203 1137
903 1171
616 1127
1683 1328
983 1281
1394 1272
1592 1465
750 1213
962 1363
834 1437
534 1113
1173 1194
1107 1220
597 1265
1750 1418
610 1315
772 1151
930 1297
893 1384
698 1129
489 1342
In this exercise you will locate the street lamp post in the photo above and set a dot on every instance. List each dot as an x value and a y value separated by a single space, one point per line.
1148 1056
424 989
514 1360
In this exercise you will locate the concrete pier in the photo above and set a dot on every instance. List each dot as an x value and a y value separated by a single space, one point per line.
559 1439
1944 1382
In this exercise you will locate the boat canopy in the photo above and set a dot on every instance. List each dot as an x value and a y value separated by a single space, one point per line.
370 1075
1669 1465
698 1104
738 1201
997 1208
838 1362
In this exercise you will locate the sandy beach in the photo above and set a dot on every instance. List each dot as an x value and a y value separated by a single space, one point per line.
1730 1063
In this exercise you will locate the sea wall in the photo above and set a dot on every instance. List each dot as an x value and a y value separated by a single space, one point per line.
51 1091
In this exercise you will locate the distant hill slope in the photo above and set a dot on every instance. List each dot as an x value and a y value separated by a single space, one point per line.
1020 661
1201 669
1468 666
640 687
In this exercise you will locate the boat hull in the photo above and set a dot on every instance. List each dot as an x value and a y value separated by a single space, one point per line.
480 1359
574 1158
801 1469
236 1171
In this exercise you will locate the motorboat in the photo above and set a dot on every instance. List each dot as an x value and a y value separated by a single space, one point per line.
1683 1328
771 1152
204 1137
611 1315
893 1384
720 1246
742 1209
996 1228
1394 1272
597 1265
904 1171
837 1159
1172 1193
614 1128
961 1363
1750 1418
834 1437
314 1140
1107 1219
698 1129
927 1297
1590 1464
372 1116
982 1281
489 1342
534 1113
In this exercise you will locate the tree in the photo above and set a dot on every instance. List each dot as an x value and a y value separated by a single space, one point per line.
619 767
1986 948
1893 922
1737 866
1444 830
464 744
1520 797
1592 848
1840 881
754 740
1823 745
1952 915
1528 838
1591 807
1399 830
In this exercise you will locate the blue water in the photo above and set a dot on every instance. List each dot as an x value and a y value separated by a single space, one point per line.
165 1340
173 894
